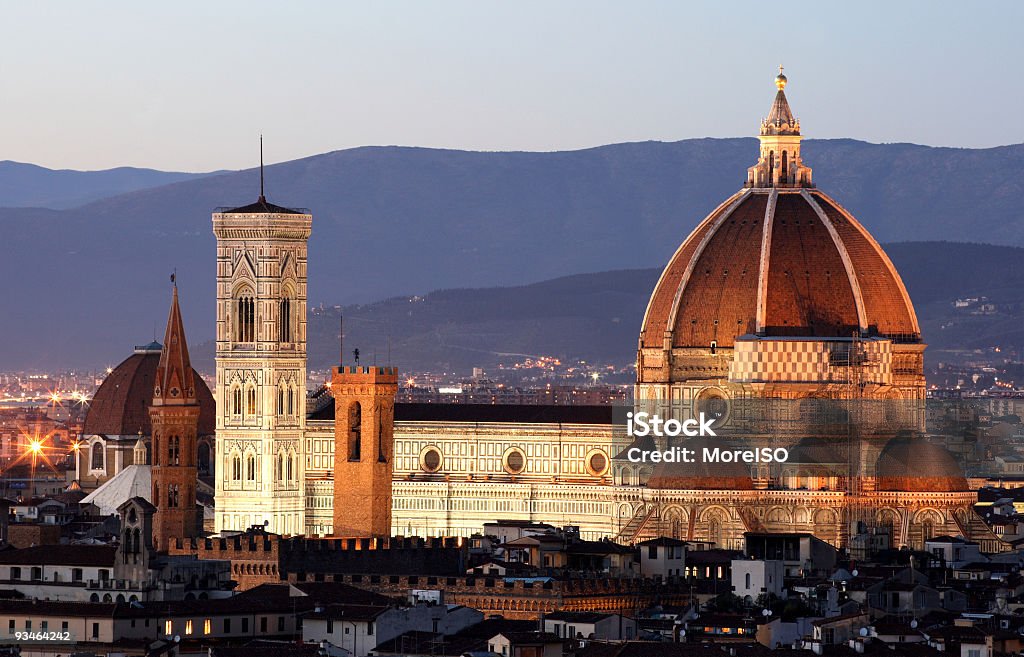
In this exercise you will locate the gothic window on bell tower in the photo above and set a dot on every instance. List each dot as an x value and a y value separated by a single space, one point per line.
250 402
285 321
236 401
245 314
250 467
355 429
236 467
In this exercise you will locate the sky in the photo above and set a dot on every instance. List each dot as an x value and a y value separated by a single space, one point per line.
190 85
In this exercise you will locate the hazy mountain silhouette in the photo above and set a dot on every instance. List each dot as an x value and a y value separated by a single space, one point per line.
82 285
31 186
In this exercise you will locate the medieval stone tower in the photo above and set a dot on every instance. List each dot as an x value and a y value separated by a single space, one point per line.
364 413
174 416
261 366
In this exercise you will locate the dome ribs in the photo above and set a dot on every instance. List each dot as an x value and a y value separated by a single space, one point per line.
806 295
657 316
887 306
719 300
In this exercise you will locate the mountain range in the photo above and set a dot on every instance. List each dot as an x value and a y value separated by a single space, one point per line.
83 284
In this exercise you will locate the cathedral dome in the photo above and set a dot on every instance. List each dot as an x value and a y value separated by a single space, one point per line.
916 465
777 259
120 406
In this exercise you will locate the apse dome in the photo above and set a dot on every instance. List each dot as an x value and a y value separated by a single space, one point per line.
120 406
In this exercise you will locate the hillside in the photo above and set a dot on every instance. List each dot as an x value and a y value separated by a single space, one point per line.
30 186
397 221
596 317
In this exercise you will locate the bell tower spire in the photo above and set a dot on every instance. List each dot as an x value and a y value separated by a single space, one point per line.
174 415
779 164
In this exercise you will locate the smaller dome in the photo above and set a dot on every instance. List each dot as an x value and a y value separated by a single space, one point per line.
120 406
915 465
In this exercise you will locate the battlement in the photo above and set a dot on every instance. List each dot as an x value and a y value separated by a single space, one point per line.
362 374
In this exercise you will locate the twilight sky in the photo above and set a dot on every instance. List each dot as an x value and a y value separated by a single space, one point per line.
190 85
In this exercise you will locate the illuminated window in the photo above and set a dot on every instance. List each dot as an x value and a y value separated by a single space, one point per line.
250 401
206 626
188 626
168 627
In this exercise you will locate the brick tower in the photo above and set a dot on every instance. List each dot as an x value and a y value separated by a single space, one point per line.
174 415
364 414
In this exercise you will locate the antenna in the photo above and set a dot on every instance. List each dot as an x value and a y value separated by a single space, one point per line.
389 349
262 197
341 339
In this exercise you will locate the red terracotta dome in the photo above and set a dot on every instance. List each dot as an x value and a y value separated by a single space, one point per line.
120 406
779 258
778 262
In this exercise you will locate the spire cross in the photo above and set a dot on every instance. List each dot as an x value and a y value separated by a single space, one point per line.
780 69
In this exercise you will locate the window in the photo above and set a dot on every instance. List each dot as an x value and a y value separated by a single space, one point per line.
188 626
64 626
263 624
246 324
15 572
28 625
288 464
168 628
330 626
746 580
245 625
369 629
206 626
285 321
10 626
95 630
236 401
174 450
355 429
250 401
45 625
250 467
96 456
280 623
280 401
236 467
227 626
37 573
652 551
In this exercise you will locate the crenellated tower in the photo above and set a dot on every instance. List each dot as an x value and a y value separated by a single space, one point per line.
261 366
174 415
364 421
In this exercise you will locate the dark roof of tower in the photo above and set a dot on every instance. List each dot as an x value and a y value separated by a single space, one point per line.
262 206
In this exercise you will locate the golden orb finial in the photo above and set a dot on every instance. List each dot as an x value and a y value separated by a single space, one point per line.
780 79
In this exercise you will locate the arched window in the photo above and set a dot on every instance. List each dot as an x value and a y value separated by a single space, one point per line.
96 456
126 549
250 401
250 468
246 314
289 463
784 174
156 496
285 321
174 451
280 401
236 401
291 401
236 467
137 542
771 167
355 428
172 496
279 466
